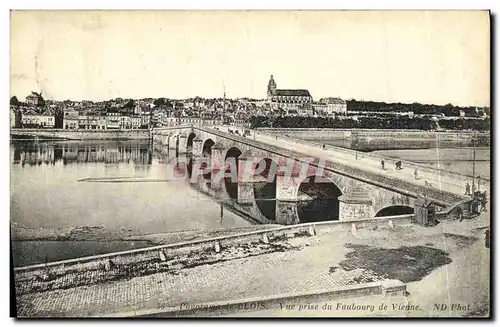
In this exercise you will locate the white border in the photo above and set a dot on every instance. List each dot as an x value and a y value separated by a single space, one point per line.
180 5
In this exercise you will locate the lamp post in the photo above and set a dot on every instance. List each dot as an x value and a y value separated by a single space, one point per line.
474 162
356 148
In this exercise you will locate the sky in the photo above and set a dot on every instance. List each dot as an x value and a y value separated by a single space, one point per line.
435 57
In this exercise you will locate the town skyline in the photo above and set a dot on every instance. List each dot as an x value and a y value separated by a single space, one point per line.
372 56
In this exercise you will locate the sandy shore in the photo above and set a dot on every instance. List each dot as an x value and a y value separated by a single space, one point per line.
89 233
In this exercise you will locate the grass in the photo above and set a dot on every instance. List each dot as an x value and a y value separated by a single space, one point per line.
406 263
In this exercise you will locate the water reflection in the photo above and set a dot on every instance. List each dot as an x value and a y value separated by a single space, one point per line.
47 192
50 153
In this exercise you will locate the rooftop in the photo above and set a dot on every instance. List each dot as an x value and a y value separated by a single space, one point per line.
292 92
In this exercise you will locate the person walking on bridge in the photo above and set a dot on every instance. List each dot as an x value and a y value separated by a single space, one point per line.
467 189
382 164
398 165
415 173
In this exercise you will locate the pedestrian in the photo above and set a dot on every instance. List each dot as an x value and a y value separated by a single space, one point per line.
467 189
221 212
382 164
415 173
323 146
460 214
487 238
484 201
475 206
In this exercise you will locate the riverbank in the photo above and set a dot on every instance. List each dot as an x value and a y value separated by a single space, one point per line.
41 245
99 234
421 257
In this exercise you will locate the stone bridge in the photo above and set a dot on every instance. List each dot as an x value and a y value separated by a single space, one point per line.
284 186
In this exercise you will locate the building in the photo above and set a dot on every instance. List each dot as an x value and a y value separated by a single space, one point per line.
15 117
113 120
33 119
135 122
92 121
335 106
35 99
287 99
70 119
145 119
125 122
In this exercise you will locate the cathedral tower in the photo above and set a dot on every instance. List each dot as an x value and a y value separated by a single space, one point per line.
271 87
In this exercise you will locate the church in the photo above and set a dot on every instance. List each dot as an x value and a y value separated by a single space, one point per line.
290 100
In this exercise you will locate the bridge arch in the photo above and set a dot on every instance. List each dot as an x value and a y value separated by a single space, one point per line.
206 152
177 145
264 187
318 200
189 152
395 210
189 145
231 177
207 147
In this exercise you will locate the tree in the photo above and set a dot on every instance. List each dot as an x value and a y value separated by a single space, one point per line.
129 105
159 102
14 101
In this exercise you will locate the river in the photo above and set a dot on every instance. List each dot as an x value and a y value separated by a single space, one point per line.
47 199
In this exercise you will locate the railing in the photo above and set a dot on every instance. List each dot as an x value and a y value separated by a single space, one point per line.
450 209
441 197
444 198
387 160
379 132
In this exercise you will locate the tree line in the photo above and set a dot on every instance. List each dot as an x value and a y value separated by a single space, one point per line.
417 108
403 122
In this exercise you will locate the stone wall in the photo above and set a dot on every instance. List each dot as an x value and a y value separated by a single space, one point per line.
326 133
164 252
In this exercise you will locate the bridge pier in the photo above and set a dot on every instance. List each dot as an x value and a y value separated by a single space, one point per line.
183 144
286 199
172 139
197 149
286 212
217 163
355 205
164 139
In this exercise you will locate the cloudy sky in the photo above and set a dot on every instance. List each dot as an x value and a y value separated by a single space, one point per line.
427 57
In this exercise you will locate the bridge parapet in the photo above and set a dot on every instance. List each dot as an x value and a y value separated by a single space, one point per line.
440 197
424 169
